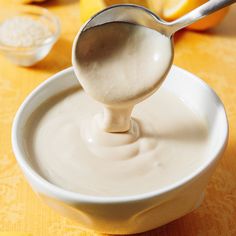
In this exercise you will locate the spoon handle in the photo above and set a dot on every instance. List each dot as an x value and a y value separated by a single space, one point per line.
198 13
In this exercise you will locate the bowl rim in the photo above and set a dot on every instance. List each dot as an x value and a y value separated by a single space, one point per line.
67 195
41 11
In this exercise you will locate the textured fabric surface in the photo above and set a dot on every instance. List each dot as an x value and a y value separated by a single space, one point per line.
210 55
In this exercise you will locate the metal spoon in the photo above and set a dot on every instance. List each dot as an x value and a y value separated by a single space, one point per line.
141 16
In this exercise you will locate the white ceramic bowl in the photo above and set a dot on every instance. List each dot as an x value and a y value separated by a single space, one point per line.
138 213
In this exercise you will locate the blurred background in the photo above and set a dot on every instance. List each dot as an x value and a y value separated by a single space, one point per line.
206 48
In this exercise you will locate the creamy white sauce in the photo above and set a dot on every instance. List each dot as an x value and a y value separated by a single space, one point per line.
169 143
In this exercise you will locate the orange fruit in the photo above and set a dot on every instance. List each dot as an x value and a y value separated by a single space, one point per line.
173 9
209 21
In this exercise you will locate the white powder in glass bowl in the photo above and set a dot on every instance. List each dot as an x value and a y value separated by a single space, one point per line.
22 31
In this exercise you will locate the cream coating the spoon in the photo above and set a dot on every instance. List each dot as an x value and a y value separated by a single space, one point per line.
88 50
120 64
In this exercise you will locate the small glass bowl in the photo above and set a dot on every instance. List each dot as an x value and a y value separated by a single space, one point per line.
28 56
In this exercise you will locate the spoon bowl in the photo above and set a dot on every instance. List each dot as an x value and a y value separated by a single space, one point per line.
127 13
139 15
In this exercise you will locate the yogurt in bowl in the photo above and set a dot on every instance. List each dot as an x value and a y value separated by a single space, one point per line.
132 209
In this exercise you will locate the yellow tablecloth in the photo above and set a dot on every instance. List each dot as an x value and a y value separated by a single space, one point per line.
211 56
